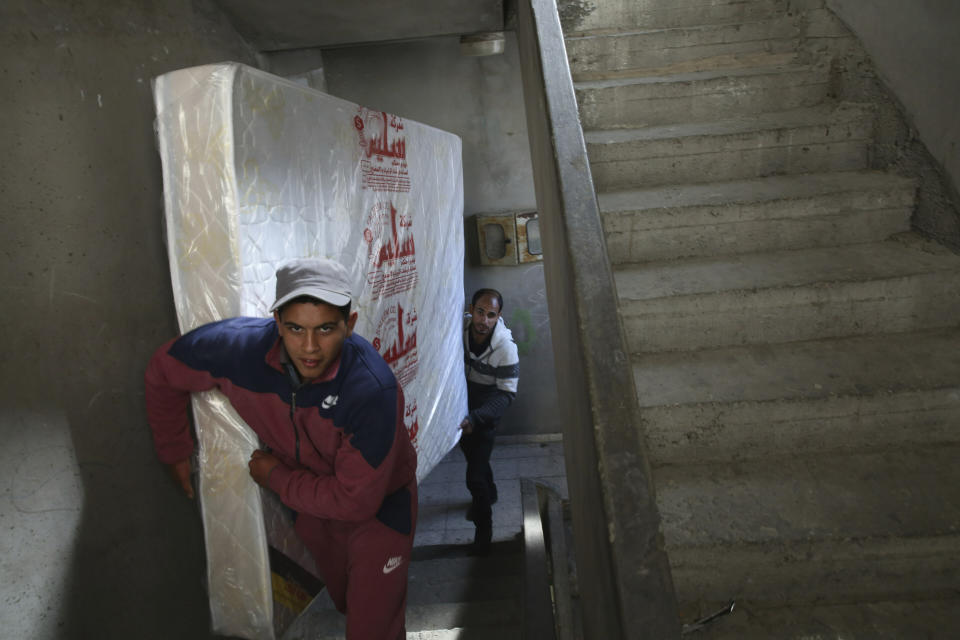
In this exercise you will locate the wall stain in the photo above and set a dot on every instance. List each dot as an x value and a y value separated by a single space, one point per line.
573 12
524 333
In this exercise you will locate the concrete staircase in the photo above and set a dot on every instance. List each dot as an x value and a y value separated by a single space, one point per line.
450 596
795 344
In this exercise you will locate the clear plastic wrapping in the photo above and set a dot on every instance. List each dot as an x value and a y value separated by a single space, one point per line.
258 170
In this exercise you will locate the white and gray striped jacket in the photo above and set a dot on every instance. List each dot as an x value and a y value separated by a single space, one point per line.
492 376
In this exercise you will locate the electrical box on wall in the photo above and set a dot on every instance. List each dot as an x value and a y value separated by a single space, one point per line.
529 248
497 235
509 239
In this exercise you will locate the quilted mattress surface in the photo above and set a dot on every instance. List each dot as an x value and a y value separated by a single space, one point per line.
258 170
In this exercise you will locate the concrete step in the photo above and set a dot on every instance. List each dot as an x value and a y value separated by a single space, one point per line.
470 588
826 37
459 633
857 527
727 63
491 620
763 214
612 15
591 57
930 619
868 393
446 574
900 285
449 595
698 97
811 140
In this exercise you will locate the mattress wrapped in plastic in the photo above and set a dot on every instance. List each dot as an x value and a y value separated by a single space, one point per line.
258 170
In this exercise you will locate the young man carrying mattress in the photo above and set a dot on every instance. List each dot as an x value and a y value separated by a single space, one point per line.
329 414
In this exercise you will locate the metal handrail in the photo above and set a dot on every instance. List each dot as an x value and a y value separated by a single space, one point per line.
624 577
548 589
537 617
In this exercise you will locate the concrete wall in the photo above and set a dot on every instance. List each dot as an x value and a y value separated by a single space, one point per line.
481 100
914 58
96 542
915 47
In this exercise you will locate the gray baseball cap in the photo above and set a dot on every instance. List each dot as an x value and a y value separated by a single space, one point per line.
325 280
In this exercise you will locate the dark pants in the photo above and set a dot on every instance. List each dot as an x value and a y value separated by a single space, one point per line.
477 447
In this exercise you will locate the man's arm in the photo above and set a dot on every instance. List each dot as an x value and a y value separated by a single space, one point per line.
494 405
363 470
181 475
496 398
167 386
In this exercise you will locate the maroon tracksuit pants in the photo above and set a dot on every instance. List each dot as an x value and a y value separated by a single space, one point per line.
364 566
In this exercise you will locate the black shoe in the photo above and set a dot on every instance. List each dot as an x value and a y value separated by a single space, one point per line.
481 543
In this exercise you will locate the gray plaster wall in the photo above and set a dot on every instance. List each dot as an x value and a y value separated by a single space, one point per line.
915 48
96 542
481 100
